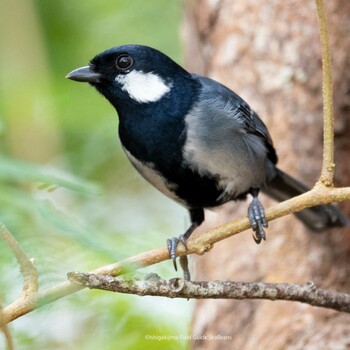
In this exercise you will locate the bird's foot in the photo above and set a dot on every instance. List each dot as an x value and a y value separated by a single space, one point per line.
172 245
197 217
257 218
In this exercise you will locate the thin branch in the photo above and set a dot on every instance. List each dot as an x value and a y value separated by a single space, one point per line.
6 332
327 174
8 337
203 243
179 288
26 265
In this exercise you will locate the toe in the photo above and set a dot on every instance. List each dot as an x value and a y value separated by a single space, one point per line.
172 244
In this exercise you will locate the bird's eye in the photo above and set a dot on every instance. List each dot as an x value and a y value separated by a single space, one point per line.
124 62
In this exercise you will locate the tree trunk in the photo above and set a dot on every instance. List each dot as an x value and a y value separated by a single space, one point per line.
269 53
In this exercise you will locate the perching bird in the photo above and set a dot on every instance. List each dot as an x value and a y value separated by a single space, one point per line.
194 139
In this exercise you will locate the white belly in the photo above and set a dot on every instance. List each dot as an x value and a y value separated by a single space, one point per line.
148 171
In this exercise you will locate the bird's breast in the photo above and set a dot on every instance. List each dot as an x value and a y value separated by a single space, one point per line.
149 171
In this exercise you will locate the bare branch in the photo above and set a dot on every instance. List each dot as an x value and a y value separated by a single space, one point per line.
26 265
327 174
6 332
8 337
178 288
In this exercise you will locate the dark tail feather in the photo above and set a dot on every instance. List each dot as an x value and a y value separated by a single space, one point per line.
318 218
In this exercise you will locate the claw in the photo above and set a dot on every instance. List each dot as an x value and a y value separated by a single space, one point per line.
174 263
172 244
259 235
256 239
182 239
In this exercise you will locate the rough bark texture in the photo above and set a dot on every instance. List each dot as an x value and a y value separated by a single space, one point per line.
181 288
269 53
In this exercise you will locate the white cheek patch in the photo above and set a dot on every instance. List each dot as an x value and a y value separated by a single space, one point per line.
143 87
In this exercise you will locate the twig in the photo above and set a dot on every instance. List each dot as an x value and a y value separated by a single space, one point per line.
26 265
327 174
6 332
8 337
179 288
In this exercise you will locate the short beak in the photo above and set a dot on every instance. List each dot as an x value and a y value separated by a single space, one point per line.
84 74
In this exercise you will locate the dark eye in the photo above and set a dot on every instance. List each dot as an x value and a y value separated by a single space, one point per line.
124 62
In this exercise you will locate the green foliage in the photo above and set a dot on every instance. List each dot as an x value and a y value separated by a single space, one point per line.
14 170
66 191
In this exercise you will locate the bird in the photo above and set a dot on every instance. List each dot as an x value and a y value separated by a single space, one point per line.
194 139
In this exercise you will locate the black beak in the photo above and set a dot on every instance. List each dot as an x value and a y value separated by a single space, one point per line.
85 75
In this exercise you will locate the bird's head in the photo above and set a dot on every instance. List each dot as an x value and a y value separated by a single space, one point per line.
131 73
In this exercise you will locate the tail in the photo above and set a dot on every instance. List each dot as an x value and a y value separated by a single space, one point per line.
319 218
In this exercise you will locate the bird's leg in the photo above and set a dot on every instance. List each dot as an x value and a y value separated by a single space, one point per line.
197 217
184 265
256 216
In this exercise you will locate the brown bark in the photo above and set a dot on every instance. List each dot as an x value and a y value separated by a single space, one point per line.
269 53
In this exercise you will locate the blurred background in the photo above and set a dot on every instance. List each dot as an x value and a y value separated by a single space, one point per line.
67 192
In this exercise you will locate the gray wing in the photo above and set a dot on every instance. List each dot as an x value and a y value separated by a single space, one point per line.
227 141
238 110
